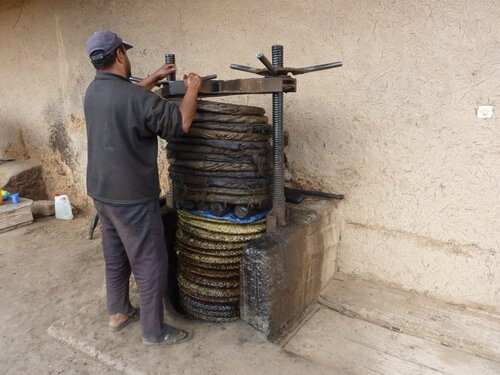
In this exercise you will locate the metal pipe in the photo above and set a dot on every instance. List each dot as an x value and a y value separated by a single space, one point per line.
278 172
135 79
264 60
205 78
316 68
209 77
170 59
244 68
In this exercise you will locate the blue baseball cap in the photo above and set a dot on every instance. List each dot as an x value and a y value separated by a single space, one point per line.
102 43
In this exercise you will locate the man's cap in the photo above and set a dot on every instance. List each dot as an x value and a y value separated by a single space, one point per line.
102 43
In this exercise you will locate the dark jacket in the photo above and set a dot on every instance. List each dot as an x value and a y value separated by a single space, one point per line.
123 122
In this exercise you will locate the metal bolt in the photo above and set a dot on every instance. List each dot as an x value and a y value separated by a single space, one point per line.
170 59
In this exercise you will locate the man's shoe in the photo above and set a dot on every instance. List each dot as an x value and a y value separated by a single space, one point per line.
170 336
134 316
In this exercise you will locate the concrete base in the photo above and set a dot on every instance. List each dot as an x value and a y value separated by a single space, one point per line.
364 328
215 348
283 272
15 215
43 208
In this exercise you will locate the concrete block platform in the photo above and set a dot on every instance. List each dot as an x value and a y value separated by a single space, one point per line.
233 348
282 273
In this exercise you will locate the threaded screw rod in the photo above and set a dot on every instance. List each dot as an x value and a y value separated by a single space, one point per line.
278 172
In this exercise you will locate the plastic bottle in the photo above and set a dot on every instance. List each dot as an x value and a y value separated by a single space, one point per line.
63 207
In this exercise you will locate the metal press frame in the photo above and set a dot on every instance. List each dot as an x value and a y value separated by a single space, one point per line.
275 80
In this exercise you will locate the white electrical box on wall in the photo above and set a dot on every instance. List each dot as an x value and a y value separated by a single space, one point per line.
484 111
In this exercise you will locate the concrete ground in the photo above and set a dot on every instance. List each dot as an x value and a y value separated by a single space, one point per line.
53 321
48 270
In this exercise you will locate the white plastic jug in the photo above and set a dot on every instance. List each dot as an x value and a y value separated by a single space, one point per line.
63 207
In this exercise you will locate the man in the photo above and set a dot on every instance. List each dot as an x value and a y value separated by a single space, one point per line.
123 123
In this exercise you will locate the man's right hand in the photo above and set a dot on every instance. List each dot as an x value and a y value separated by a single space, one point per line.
193 80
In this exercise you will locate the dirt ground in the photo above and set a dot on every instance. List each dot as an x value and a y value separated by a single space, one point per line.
47 270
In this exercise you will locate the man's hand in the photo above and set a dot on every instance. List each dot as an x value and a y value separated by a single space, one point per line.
193 81
164 71
150 81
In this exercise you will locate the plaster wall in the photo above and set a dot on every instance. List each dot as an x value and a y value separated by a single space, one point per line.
394 129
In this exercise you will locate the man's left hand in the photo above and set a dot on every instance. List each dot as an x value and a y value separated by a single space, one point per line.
150 81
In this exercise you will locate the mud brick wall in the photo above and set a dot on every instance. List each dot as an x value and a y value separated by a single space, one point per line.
284 272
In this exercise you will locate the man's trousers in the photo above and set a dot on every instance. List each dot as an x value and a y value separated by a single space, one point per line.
133 240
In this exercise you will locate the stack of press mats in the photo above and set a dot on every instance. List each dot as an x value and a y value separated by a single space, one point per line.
209 254
221 174
223 164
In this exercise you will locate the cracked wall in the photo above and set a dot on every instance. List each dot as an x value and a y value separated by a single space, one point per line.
394 129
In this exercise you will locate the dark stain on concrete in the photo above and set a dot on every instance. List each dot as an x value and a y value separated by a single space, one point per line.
59 140
242 340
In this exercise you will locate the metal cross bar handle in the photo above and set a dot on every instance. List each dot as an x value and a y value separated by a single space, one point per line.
271 70
275 81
